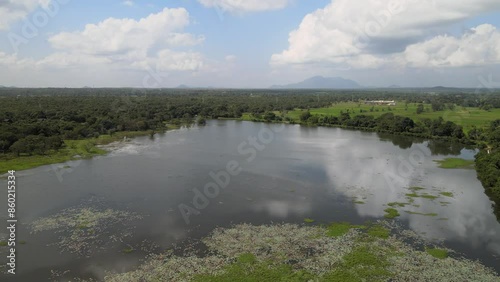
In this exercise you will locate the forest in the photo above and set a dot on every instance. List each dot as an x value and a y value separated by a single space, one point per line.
39 121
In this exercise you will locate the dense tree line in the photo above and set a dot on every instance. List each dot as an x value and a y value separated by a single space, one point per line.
34 121
488 164
389 123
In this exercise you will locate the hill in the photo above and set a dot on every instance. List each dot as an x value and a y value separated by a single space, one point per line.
320 82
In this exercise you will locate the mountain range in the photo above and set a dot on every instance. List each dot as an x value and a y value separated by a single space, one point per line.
320 82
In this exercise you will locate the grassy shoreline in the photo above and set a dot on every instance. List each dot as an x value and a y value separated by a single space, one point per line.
73 150
88 148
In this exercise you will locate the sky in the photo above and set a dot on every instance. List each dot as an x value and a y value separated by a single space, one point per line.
249 44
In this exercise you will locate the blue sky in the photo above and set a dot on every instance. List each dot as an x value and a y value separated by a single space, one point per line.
254 43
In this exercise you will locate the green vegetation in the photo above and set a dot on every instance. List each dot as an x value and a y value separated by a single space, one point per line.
248 269
338 229
468 117
308 220
128 250
378 231
391 213
488 165
455 163
424 195
35 121
414 189
3 243
397 204
43 126
288 252
437 253
359 202
72 150
447 194
363 263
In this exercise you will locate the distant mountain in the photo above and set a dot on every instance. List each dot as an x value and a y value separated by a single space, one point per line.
395 86
183 86
320 82
441 87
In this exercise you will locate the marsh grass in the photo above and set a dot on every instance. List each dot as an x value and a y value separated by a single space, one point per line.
378 231
341 228
451 163
437 253
391 213
423 195
447 194
415 188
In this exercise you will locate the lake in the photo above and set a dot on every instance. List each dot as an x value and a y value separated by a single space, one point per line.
178 186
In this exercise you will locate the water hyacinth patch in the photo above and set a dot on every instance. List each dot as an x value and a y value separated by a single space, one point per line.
84 229
287 252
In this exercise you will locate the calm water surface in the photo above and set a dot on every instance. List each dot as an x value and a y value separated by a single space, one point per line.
301 173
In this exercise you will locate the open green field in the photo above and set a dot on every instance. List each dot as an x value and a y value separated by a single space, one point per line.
466 117
74 149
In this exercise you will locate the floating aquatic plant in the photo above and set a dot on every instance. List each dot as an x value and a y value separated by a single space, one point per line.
287 252
83 229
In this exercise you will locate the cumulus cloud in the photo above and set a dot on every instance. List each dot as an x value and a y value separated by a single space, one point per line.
113 36
370 33
151 42
478 46
245 6
15 10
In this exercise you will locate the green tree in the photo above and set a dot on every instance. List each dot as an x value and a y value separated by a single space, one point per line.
305 116
420 108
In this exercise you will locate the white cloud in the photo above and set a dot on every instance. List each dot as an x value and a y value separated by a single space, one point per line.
478 46
12 11
115 36
371 33
147 52
230 58
128 3
129 44
245 5
169 60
